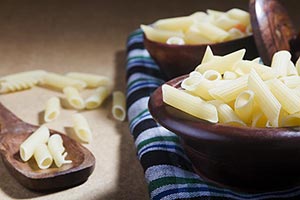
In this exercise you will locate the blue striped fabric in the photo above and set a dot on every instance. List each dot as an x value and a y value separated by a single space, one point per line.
168 171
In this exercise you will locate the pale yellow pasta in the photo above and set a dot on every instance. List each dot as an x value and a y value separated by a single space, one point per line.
224 22
240 15
228 116
174 24
91 80
191 83
289 101
96 99
229 75
291 70
82 128
212 32
175 40
57 150
35 75
15 85
199 16
243 67
42 156
194 36
52 109
190 104
160 35
222 64
58 81
119 106
229 91
297 65
291 120
267 102
244 105
195 74
212 75
73 97
208 55
236 33
291 81
256 60
259 119
38 137
296 91
215 13
280 62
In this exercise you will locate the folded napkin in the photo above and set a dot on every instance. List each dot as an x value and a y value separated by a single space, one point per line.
168 171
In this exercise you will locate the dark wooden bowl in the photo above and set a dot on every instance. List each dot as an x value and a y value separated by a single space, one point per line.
177 60
247 159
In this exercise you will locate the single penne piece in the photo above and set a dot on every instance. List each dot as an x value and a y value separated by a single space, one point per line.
235 33
229 75
281 62
244 105
240 15
52 109
175 41
212 32
257 60
194 36
160 35
228 116
289 101
291 70
224 22
58 81
291 120
91 80
96 99
229 91
195 74
212 75
291 81
214 13
119 106
174 24
35 75
28 147
259 119
82 128
222 64
57 150
73 97
267 102
296 91
208 55
42 156
190 104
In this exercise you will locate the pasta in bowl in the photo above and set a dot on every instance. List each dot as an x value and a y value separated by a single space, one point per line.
178 44
247 153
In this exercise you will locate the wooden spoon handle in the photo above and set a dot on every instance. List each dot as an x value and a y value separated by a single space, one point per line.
10 123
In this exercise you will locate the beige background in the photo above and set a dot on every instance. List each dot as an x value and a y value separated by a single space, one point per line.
88 36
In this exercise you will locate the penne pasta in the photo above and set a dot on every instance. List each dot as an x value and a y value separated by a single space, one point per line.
291 70
160 35
259 119
240 15
291 120
267 102
82 128
73 97
228 116
244 105
190 104
27 148
225 22
212 32
281 62
208 55
291 81
42 156
119 106
175 40
212 75
228 75
174 24
52 109
95 100
194 36
91 80
57 150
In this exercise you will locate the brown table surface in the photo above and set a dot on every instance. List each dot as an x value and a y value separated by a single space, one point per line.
87 36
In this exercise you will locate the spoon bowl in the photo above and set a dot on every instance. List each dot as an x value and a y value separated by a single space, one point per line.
13 132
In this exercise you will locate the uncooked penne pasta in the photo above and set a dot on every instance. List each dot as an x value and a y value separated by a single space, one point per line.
228 116
174 24
58 81
236 33
212 75
91 80
82 128
222 64
259 119
225 22
229 91
52 109
228 75
27 148
175 41
194 36
291 70
291 120
291 81
244 105
160 35
215 13
208 55
35 75
240 15
42 156
281 62
96 99
264 98
73 97
119 106
212 32
190 104
57 150
289 101
297 65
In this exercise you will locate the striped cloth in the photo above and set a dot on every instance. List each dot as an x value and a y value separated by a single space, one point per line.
168 171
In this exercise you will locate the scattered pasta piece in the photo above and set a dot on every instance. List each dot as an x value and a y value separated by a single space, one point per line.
27 148
57 150
91 80
81 128
73 97
52 109
42 156
97 98
119 106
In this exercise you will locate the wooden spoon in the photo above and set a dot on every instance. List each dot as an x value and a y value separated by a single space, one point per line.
13 131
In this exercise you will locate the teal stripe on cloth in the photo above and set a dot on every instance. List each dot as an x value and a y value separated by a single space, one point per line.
167 168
